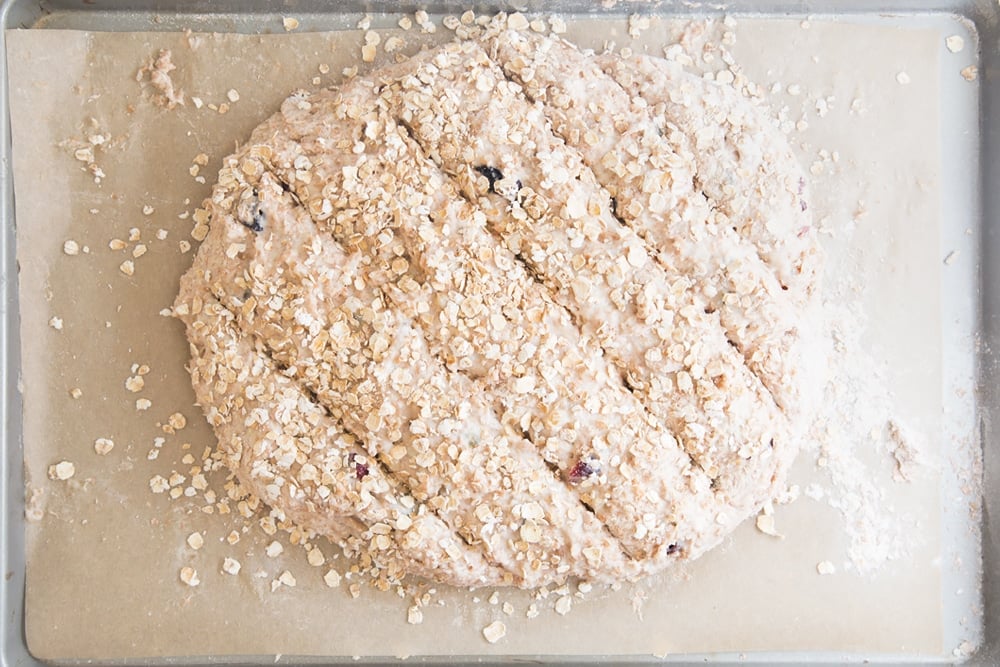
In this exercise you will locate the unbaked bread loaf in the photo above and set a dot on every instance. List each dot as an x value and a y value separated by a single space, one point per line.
507 313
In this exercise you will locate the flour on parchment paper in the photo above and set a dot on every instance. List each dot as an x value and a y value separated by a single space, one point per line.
851 407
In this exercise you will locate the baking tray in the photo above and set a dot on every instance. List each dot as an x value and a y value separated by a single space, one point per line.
261 16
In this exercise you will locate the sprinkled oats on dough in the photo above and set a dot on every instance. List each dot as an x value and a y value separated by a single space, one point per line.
825 567
231 566
289 23
127 267
71 247
56 323
135 383
510 280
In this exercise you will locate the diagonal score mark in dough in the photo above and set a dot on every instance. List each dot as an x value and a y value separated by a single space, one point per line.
399 294
743 163
435 458
629 157
449 241
589 180
455 119
610 342
281 456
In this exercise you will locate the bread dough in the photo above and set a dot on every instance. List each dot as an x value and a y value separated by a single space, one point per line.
498 316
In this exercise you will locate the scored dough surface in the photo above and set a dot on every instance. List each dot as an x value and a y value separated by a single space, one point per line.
497 316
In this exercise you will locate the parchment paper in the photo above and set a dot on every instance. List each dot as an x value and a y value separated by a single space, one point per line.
102 568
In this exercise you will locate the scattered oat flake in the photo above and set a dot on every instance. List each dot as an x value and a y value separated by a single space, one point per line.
177 421
532 611
76 392
315 557
274 549
233 537
494 632
62 471
103 446
825 567
636 24
198 102
116 244
955 43
231 566
332 579
368 52
289 23
557 25
563 605
508 608
287 579
139 251
516 21
147 210
56 323
414 616
127 267
970 73
143 404
71 247
195 541
158 484
393 44
233 95
405 23
765 524
189 576
135 383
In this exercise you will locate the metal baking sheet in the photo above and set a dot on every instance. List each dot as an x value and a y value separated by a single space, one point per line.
256 17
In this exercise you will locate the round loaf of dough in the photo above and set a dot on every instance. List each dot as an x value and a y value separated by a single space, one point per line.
507 313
